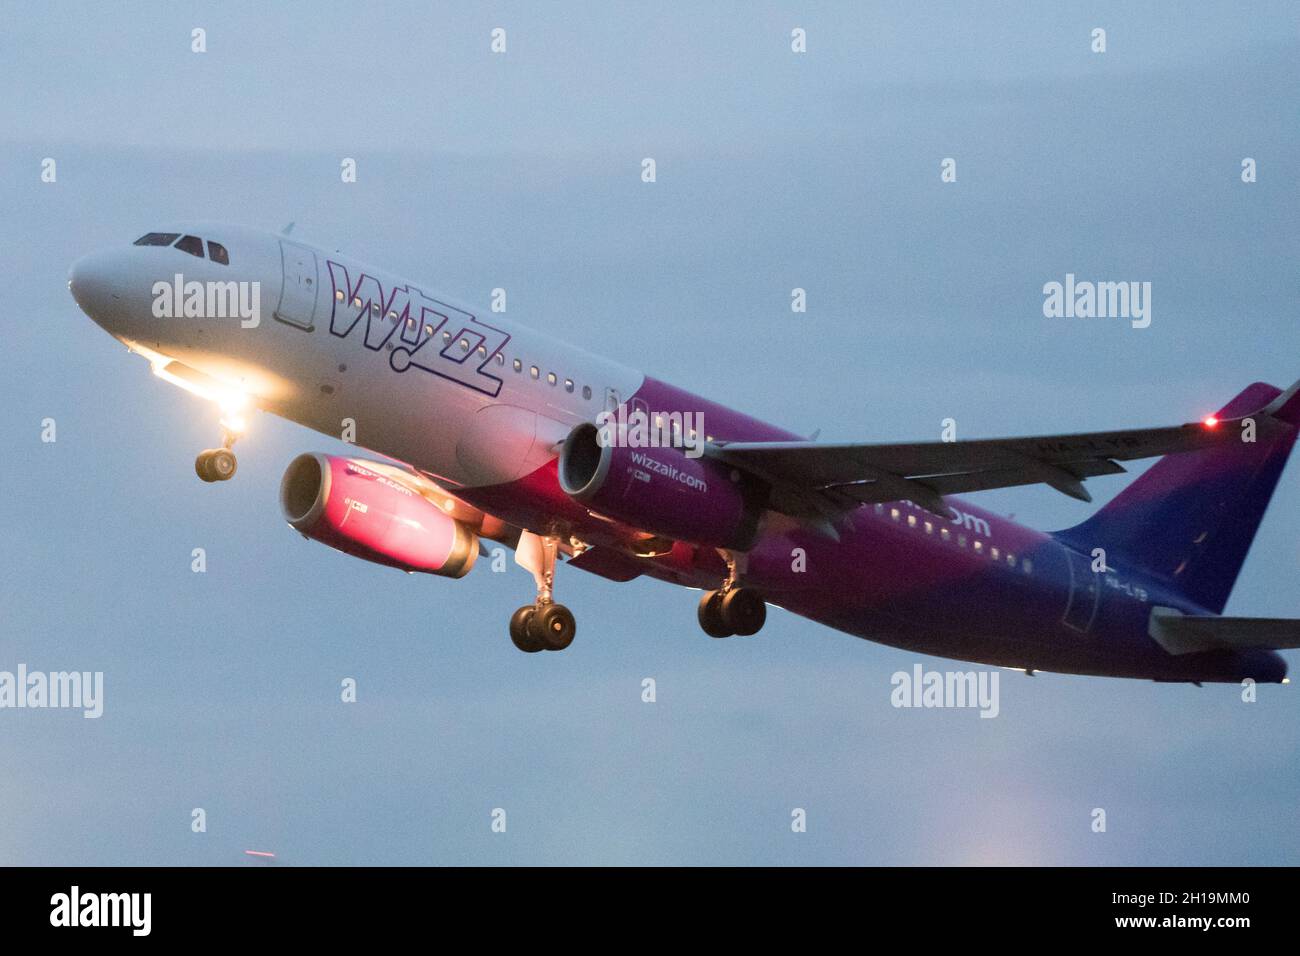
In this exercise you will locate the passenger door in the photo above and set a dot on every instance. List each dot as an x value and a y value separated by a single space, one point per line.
298 294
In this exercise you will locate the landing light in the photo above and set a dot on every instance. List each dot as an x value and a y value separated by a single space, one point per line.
231 401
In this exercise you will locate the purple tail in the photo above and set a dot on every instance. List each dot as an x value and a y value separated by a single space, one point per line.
1190 518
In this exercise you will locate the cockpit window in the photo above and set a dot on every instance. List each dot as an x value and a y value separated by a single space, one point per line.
157 239
191 244
217 253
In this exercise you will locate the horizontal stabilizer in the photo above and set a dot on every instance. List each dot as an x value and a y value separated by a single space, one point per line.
1180 634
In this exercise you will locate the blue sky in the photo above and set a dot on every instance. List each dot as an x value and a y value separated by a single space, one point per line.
774 171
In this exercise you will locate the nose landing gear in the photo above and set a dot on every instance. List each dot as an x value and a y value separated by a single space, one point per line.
732 610
543 625
218 464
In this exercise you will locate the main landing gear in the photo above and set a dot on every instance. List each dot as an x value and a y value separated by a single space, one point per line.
218 464
543 625
732 610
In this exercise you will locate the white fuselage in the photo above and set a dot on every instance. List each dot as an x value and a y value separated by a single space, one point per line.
358 353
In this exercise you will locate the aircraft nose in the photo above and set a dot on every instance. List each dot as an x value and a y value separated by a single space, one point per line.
94 281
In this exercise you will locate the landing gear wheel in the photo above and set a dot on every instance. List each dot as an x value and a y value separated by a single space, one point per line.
545 625
553 627
710 615
519 631
743 611
216 464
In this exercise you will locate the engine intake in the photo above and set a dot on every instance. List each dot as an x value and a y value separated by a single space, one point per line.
661 490
357 510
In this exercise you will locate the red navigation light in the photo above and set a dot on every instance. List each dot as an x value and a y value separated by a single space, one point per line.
1210 421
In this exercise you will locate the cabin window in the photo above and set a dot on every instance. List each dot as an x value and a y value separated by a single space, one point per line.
586 392
568 384
534 371
519 366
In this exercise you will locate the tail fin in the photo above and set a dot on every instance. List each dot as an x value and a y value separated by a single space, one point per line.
1191 517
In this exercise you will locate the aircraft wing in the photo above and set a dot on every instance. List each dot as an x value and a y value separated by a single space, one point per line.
812 479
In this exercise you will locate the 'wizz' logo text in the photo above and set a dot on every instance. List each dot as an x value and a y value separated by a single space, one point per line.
419 332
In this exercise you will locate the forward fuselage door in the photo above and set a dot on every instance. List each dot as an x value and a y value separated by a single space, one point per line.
298 295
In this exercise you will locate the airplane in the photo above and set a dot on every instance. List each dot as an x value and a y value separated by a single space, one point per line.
486 430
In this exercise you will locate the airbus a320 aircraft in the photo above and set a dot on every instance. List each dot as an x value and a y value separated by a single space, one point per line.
491 430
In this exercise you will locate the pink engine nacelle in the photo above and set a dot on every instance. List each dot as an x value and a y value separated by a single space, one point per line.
354 509
662 490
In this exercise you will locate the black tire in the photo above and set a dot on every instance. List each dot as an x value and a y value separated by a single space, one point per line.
222 464
553 626
743 611
710 615
519 632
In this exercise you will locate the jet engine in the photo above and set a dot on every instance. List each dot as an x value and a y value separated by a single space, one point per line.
662 490
374 516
